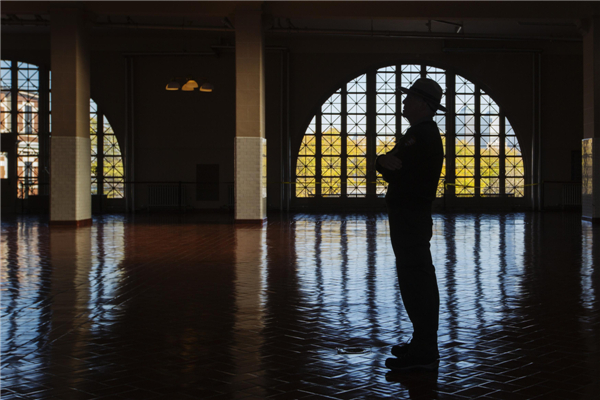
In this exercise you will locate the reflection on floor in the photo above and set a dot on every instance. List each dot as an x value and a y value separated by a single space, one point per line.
178 307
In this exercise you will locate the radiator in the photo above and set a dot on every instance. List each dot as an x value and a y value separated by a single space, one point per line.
165 195
571 193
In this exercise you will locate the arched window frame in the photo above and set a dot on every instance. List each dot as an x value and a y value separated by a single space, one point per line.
105 149
497 171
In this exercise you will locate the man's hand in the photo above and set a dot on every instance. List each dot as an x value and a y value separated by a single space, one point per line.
389 161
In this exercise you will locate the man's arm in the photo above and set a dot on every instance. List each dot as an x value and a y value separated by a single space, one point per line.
389 161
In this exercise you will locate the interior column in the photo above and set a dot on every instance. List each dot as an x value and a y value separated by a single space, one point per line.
70 147
250 142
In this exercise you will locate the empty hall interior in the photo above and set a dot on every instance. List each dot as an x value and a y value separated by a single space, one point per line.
191 210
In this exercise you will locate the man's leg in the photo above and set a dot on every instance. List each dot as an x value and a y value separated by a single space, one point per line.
411 231
420 295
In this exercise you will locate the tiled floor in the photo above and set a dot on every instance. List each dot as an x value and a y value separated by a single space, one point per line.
181 307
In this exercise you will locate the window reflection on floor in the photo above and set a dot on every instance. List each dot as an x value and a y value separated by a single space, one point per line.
346 268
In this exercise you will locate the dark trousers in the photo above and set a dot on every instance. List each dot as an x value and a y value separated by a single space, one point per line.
411 228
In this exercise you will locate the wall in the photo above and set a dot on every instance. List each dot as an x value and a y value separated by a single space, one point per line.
174 131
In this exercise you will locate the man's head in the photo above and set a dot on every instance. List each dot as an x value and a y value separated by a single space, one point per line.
422 100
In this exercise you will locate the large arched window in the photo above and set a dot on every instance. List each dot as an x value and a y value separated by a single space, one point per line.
359 121
26 114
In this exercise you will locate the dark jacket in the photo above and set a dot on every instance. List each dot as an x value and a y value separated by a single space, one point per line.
422 155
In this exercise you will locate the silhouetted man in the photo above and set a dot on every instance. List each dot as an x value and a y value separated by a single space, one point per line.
412 170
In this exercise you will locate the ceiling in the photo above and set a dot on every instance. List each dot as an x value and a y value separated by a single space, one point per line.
543 20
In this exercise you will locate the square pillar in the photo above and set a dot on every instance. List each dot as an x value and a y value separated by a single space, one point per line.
250 143
70 144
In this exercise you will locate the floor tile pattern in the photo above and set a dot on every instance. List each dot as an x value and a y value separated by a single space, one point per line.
191 306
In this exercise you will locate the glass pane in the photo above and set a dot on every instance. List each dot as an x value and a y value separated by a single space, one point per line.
305 187
357 103
114 188
463 85
331 166
465 103
464 187
94 168
385 144
27 174
488 106
331 187
3 165
113 167
512 146
107 128
440 189
111 146
356 124
410 73
489 166
29 79
515 187
385 124
311 129
490 146
331 124
93 123
305 166
27 123
357 166
465 145
385 81
6 76
5 112
514 167
381 186
356 145
465 166
385 103
333 105
357 187
358 84
331 145
490 124
440 120
465 124
490 187
308 146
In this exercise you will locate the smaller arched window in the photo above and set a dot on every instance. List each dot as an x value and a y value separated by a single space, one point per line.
107 162
25 94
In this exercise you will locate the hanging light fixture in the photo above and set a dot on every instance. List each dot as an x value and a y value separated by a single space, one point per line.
190 85
207 87
173 85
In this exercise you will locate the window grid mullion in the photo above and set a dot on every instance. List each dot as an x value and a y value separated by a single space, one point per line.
14 124
344 140
502 154
100 152
477 150
371 133
450 134
318 154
